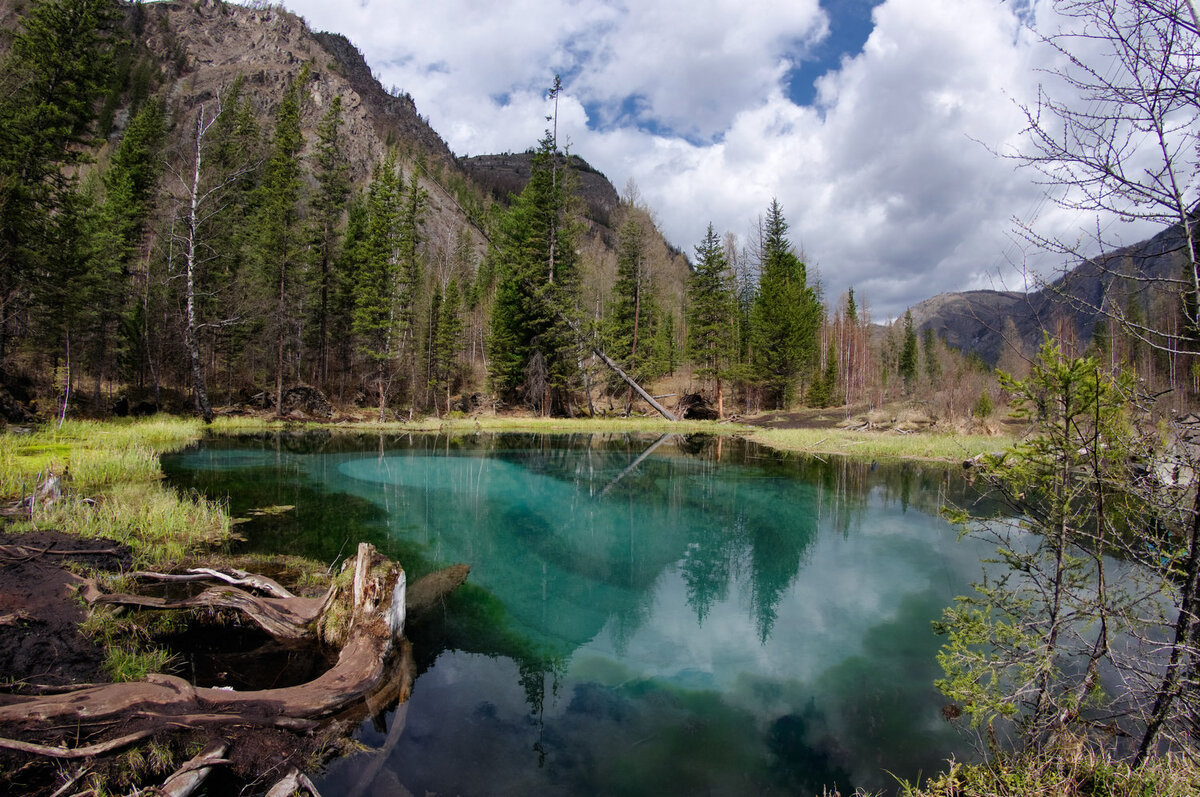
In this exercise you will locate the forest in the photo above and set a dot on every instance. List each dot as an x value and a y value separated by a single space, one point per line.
156 253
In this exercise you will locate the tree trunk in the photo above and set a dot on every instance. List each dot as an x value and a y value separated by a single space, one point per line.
1182 647
362 615
193 220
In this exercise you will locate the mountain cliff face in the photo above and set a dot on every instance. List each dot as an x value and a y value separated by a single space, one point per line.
503 175
1133 279
204 46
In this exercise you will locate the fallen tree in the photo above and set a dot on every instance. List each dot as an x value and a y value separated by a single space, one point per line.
362 616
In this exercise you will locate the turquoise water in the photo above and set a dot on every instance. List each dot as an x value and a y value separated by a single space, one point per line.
644 616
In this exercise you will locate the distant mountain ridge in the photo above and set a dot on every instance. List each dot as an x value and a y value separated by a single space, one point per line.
976 321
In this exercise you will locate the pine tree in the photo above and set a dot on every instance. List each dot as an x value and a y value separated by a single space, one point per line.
906 365
710 306
532 350
278 245
785 317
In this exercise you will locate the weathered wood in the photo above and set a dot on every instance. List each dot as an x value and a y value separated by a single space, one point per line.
286 618
294 781
364 622
663 411
192 775
87 751
234 577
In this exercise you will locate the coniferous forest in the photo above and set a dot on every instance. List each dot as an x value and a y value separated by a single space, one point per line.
180 236
208 205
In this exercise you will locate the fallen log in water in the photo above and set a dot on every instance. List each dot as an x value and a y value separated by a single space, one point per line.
362 616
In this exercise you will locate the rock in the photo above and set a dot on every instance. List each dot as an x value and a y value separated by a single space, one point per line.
694 407
306 400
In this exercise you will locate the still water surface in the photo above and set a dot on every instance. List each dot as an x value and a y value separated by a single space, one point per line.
678 616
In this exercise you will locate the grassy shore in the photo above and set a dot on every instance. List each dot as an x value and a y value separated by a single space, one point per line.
867 445
112 481
112 473
114 489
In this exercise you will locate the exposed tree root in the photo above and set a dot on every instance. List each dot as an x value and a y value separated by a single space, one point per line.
291 783
362 615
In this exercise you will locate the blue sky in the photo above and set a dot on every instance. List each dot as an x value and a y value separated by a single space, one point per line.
873 122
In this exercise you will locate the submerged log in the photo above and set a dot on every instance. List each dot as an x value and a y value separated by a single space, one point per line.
362 615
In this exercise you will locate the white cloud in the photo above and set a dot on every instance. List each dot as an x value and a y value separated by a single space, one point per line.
887 180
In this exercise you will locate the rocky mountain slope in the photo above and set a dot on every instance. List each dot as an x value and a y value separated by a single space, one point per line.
204 46
1129 279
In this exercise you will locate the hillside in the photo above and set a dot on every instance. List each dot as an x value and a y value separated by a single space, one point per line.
1129 280
202 47
275 290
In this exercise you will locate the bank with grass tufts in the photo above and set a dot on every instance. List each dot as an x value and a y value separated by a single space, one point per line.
112 486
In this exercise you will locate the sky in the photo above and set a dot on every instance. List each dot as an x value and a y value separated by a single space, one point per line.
874 123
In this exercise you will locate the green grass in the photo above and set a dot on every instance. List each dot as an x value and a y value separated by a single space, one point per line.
915 445
1076 771
867 445
113 485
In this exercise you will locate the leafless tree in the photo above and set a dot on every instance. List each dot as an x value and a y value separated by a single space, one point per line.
1115 132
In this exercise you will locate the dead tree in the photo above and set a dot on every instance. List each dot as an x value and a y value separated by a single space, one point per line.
362 616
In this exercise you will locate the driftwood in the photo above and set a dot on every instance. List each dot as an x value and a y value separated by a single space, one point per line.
293 782
237 578
192 775
362 615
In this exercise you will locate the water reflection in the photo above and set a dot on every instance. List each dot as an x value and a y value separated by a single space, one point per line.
644 615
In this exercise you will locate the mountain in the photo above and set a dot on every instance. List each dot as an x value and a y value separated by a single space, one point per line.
506 174
202 47
1138 279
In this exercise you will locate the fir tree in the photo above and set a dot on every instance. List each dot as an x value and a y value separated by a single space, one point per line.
711 306
785 317
532 350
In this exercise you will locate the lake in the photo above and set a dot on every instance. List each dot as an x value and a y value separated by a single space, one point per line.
678 615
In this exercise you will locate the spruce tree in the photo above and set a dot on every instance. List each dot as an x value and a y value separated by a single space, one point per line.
908 360
635 327
533 354
117 226
328 206
445 338
933 366
278 245
49 82
376 276
710 306
785 317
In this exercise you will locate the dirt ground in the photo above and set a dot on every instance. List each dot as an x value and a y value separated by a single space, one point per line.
41 646
39 617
